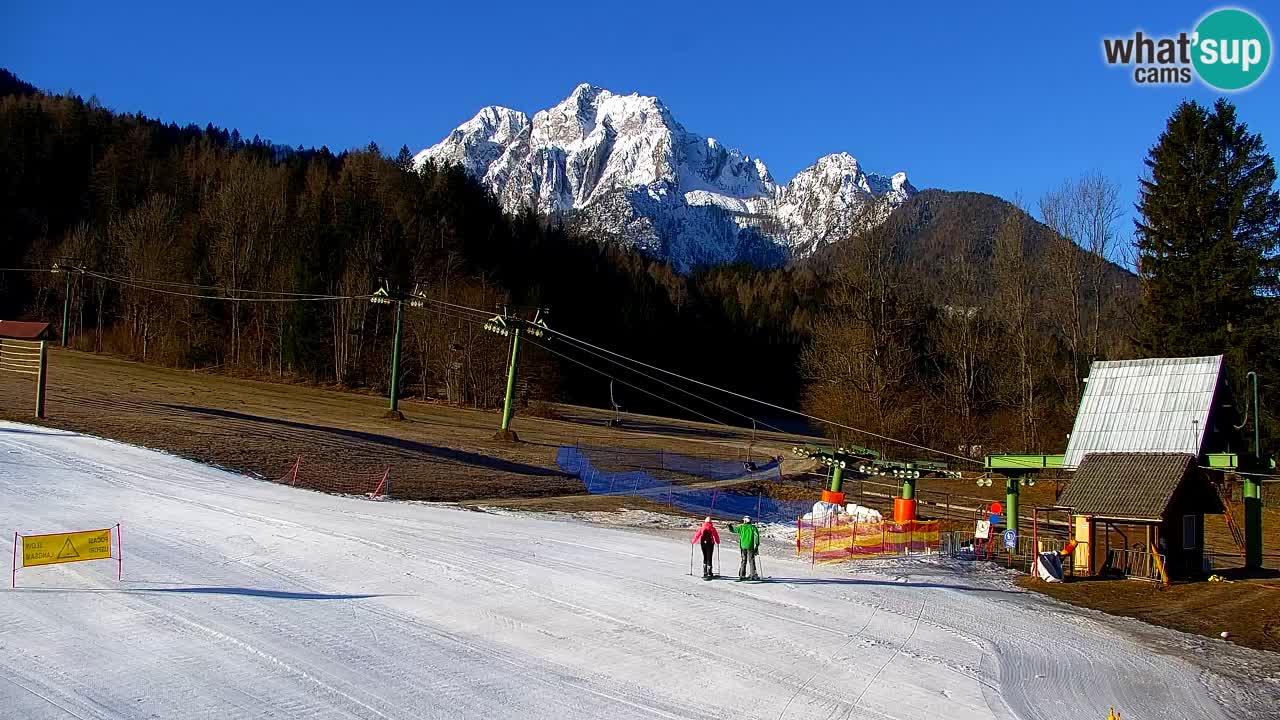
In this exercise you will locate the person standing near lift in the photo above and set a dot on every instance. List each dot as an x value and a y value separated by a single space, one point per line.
749 545
708 538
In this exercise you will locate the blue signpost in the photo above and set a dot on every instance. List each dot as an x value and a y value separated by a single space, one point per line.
1010 539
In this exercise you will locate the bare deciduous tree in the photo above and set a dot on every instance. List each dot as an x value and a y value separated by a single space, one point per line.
1101 211
146 243
244 214
861 356
1015 297
1083 214
964 335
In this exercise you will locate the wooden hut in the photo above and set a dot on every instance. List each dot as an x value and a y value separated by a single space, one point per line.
1130 507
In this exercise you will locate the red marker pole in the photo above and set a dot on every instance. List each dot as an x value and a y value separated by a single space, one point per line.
119 554
1035 535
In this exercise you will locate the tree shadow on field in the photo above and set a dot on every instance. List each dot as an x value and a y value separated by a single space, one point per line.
891 584
461 457
208 590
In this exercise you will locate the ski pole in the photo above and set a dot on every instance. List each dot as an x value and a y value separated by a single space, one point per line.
690 560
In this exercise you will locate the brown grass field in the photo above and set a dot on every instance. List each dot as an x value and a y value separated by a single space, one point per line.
444 453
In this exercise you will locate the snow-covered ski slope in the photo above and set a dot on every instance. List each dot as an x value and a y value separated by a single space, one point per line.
243 599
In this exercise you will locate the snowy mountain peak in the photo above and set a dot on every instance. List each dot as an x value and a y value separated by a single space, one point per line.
621 167
499 122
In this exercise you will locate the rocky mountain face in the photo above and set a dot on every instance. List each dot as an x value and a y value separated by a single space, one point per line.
619 167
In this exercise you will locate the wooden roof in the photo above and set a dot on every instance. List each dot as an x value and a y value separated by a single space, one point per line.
19 330
1135 485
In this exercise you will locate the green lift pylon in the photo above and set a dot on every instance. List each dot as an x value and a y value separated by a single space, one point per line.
1014 481
1252 494
838 460
869 462
66 267
385 297
1011 485
513 327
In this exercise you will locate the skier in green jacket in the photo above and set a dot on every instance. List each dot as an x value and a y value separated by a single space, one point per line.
749 544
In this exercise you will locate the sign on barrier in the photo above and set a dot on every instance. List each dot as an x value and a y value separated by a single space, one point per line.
68 547
983 530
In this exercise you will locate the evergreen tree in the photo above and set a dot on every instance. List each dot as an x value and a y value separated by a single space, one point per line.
404 158
1207 237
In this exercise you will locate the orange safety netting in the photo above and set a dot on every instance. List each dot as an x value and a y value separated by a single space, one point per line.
835 539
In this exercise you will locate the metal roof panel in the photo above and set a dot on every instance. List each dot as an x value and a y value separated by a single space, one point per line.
1152 405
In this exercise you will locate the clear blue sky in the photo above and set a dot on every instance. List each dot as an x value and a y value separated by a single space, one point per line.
1009 99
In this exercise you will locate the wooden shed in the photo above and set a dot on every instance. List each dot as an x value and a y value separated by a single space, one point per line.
23 352
1129 506
20 330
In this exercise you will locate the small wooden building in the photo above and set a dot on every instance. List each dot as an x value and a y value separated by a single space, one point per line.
23 352
28 331
1125 505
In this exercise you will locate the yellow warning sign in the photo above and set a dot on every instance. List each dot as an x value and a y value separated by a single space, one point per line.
66 547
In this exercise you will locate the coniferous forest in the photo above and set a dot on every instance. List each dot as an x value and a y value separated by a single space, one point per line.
959 322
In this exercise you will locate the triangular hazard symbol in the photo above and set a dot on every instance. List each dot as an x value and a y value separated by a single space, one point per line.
68 551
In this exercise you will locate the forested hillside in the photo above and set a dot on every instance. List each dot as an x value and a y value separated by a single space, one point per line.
961 321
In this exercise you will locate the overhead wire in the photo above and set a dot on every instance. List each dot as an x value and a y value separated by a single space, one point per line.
463 318
486 313
815 418
631 369
147 288
683 390
624 382
195 286
748 398
642 374
1270 476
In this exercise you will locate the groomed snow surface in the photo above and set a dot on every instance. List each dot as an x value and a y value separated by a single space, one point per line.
243 599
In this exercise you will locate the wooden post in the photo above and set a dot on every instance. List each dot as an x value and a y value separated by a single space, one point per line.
40 377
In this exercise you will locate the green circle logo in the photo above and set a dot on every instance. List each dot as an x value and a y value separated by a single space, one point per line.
1232 49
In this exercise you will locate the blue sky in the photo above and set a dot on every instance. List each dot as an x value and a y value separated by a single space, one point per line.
1011 99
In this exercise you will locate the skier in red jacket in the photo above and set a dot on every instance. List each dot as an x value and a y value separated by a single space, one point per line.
709 539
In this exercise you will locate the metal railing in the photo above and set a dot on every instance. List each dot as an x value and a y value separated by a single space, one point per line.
961 544
1133 564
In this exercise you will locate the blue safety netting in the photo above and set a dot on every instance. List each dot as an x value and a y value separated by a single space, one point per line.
650 474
